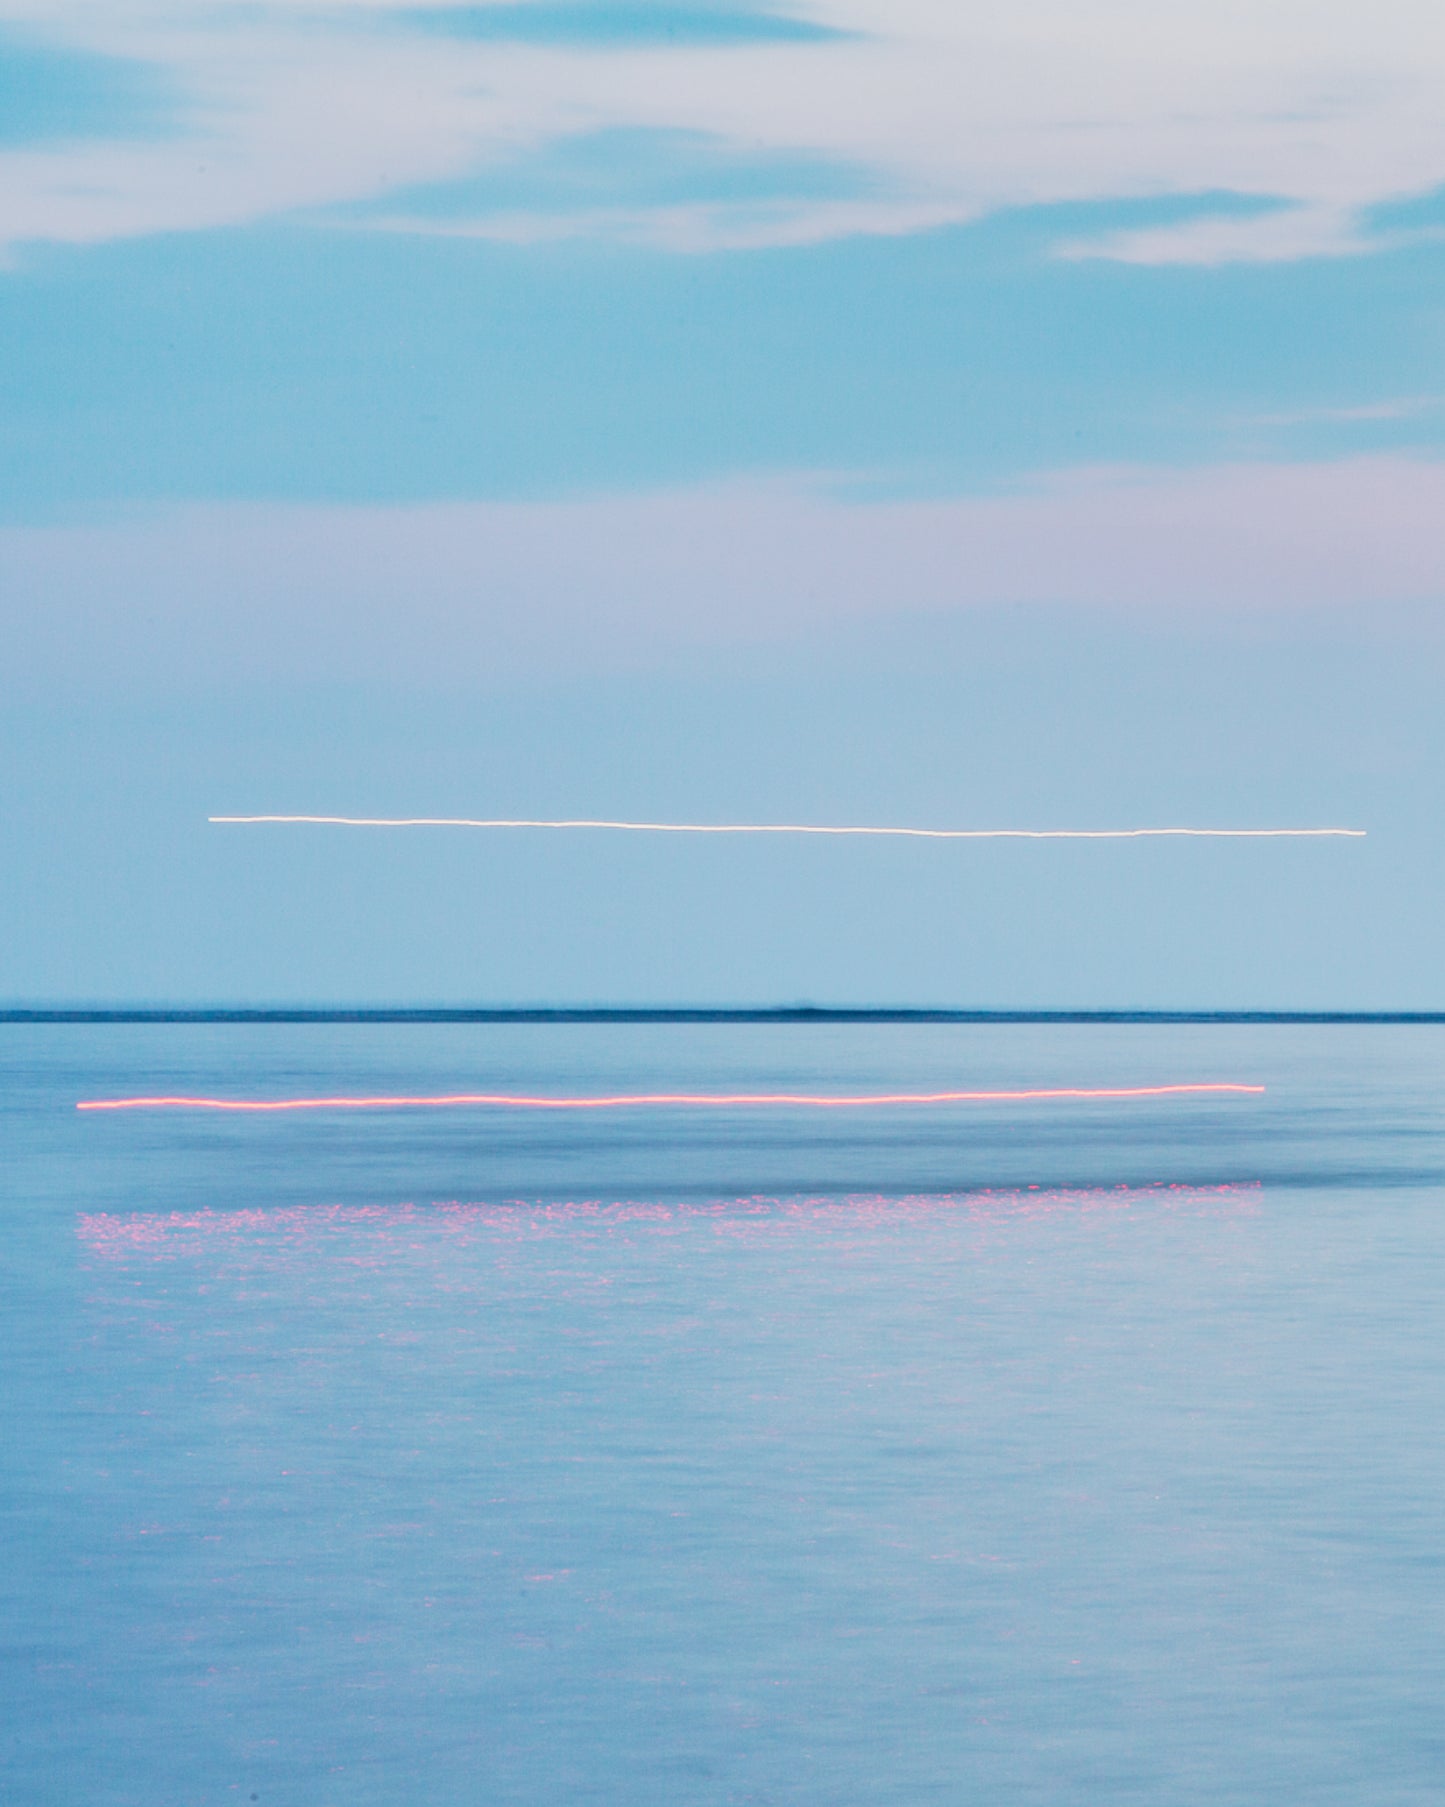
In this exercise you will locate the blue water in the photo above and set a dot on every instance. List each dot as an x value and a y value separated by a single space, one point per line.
1012 1454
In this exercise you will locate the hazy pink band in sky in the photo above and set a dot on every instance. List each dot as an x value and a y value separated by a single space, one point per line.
924 834
623 1101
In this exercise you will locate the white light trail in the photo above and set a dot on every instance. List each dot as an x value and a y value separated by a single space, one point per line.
920 834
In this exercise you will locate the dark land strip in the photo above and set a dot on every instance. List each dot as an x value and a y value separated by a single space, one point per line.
616 1014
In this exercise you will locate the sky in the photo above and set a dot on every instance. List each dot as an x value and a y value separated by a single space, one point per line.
927 413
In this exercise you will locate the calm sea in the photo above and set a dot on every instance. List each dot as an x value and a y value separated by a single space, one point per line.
1032 1453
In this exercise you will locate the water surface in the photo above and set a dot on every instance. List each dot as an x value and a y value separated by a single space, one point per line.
1035 1454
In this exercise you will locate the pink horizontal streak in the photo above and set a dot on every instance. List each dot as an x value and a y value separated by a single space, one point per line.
624 1101
923 834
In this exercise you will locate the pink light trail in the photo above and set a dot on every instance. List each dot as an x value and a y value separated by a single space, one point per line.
922 834
632 1100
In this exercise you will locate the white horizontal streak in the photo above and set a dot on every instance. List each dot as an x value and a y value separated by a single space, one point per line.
924 834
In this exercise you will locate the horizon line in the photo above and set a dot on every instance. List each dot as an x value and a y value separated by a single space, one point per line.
802 828
623 1014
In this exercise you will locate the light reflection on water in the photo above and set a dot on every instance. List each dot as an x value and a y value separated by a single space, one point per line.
366 1462
372 1232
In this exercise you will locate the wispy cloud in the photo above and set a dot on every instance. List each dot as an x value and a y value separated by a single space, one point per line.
1281 234
1331 111
684 190
1410 407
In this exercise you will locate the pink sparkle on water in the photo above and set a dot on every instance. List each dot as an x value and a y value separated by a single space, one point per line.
149 1235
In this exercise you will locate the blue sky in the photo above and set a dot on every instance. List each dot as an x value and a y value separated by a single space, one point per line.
285 361
839 412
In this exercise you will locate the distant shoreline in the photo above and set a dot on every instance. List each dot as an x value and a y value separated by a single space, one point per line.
608 1014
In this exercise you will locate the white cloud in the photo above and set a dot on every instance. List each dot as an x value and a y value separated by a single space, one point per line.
1276 236
953 109
456 594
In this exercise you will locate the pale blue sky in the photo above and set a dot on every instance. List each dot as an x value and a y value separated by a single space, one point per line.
841 413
